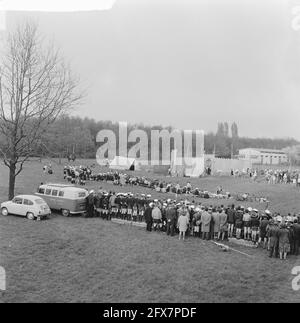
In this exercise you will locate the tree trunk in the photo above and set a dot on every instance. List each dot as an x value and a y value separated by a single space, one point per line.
12 181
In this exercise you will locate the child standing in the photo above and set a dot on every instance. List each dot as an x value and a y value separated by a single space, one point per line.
182 224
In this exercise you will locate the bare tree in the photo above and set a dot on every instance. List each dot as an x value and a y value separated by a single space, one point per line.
36 86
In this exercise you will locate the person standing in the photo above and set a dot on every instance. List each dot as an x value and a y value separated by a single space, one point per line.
148 217
97 204
183 223
273 235
263 239
223 224
157 216
255 223
90 203
247 224
112 205
197 222
296 228
284 241
216 221
171 218
205 224
239 223
231 220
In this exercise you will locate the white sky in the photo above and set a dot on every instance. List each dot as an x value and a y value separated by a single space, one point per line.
185 63
57 5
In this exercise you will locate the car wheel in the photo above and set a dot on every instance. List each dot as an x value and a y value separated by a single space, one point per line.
65 212
30 216
4 211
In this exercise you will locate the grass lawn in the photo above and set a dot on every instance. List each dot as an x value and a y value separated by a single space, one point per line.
91 260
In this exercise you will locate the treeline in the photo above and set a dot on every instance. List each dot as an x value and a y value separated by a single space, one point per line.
77 135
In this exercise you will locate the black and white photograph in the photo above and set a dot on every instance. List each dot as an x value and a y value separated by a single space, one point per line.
149 154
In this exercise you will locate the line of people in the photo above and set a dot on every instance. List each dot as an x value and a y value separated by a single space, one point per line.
279 234
79 175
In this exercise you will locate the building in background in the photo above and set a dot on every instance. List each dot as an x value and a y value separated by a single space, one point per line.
263 156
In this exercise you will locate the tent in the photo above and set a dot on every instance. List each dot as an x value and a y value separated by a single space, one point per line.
122 163
188 166
194 167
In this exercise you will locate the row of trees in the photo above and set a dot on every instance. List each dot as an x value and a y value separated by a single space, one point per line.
68 134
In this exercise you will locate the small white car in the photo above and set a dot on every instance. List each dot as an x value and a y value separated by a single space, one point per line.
31 206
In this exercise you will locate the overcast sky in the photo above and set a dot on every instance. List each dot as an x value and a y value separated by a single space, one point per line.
185 63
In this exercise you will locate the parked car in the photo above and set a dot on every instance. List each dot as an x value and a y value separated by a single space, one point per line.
31 206
67 199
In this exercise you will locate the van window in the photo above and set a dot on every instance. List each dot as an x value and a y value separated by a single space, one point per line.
48 191
61 193
41 191
27 202
54 192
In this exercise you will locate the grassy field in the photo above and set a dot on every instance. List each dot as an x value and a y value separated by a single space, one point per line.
91 260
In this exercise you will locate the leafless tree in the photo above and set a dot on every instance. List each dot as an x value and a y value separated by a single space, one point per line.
36 86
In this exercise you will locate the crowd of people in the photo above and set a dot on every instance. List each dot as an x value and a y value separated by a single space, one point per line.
271 176
79 175
280 235
282 177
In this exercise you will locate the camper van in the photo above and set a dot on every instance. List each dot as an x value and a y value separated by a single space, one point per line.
67 199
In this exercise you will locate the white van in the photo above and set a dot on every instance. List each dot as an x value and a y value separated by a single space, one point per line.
68 199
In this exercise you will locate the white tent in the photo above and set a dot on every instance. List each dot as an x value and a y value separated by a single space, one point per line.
187 166
122 163
194 167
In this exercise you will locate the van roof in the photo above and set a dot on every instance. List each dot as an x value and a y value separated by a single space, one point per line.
70 187
58 185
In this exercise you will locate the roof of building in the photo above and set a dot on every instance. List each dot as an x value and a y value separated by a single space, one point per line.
265 150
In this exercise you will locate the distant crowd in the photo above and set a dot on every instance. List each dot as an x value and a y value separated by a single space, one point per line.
282 177
279 234
79 175
271 176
